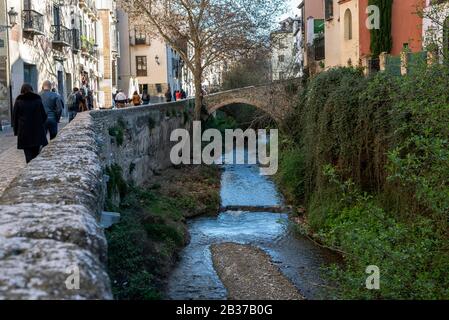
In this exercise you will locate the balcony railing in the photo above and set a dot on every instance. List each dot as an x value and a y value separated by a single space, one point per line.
86 46
62 36
140 40
89 49
33 22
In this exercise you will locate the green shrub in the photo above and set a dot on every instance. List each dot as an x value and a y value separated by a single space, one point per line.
370 158
157 231
116 182
142 247
291 174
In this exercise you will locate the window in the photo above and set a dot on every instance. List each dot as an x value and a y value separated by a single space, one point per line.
328 9
281 58
141 66
56 15
141 38
143 88
348 25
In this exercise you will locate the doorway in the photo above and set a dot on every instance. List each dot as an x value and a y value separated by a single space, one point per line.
30 75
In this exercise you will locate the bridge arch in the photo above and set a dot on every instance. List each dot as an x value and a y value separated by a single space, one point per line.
234 101
272 98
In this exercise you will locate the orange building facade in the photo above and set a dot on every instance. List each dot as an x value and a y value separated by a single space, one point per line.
406 30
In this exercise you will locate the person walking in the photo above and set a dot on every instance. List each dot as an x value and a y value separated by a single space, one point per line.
74 103
29 118
53 106
90 100
178 95
168 96
121 100
183 94
136 100
146 97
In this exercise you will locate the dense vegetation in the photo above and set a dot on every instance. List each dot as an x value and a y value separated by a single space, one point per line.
144 246
369 159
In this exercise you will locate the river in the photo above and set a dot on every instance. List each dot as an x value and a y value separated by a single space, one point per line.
299 259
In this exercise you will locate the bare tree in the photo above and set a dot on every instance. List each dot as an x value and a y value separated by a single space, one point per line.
436 18
215 30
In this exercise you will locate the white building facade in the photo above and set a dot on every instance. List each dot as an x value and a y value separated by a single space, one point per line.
147 63
69 43
287 56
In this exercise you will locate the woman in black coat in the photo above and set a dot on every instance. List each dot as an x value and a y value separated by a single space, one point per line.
29 118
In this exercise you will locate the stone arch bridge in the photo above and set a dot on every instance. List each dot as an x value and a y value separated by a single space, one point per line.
276 98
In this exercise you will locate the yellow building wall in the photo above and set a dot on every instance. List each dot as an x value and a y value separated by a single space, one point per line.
341 51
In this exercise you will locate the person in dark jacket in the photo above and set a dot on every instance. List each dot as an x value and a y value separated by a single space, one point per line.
146 98
29 118
53 106
90 100
74 103
168 95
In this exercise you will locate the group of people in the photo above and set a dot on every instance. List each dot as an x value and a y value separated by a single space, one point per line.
122 101
37 115
178 95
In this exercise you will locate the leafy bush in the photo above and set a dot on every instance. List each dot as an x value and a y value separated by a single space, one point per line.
142 247
409 254
372 155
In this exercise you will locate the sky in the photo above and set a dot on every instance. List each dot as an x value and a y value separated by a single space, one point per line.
293 9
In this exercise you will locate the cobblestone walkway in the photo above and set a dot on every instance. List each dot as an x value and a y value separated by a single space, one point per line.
12 161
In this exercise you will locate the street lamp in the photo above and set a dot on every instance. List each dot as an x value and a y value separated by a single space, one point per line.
12 15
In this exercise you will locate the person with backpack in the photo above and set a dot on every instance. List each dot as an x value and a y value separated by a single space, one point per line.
74 103
53 105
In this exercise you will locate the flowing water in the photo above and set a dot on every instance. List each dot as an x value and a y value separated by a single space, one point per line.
299 259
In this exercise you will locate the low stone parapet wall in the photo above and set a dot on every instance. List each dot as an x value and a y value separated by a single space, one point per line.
51 243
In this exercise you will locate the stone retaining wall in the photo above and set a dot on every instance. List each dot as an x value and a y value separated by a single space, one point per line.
49 214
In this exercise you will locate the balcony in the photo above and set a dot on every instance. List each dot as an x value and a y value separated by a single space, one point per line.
33 22
86 46
62 36
90 8
89 49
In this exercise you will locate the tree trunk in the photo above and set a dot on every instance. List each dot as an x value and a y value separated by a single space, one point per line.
198 97
198 75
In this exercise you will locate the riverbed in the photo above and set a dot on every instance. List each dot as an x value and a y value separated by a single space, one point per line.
299 259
